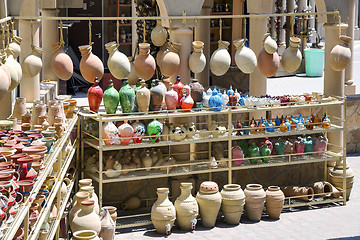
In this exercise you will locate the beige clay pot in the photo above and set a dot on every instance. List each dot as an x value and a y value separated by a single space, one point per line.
233 201
92 196
163 212
291 58
158 35
274 201
270 44
245 58
79 197
19 107
32 64
220 59
340 55
209 200
13 67
91 66
144 63
86 218
132 77
197 60
85 235
118 64
254 201
15 46
170 64
61 62
187 208
336 178
143 97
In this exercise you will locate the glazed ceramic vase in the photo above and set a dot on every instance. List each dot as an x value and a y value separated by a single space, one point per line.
144 63
170 64
32 64
254 201
340 55
207 98
86 218
197 59
15 46
17 74
233 201
254 151
265 152
268 63
270 44
118 63
320 145
143 98
274 201
79 198
336 177
127 98
154 130
178 87
171 99
85 235
215 101
61 62
163 213
157 93
19 108
291 58
186 102
197 92
187 208
220 59
245 58
126 131
111 99
91 66
107 231
159 34
299 146
209 200
95 95
237 155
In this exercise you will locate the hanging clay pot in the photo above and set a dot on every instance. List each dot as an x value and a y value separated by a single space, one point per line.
144 63
220 59
197 60
32 64
143 97
340 55
197 92
187 208
268 63
171 98
157 93
163 213
15 46
61 62
126 131
19 107
127 98
274 201
270 45
245 58
107 231
254 201
160 54
171 61
111 99
118 64
233 201
291 58
95 95
6 70
158 34
14 69
91 66
132 77
209 200
178 87
86 218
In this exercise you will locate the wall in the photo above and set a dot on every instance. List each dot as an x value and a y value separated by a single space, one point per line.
353 124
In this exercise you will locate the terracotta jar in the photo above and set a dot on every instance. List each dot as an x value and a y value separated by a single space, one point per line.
92 196
14 68
303 193
143 97
270 44
158 34
163 213
209 200
95 95
186 207
15 46
72 107
245 58
144 63
54 112
220 59
274 201
340 55
79 198
61 62
112 211
171 61
268 63
86 218
254 201
197 92
157 94
85 235
32 64
118 64
107 226
291 58
91 66
111 99
197 60
336 177
132 77
233 201
19 107
160 54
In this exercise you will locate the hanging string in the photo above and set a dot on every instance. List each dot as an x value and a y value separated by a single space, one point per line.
61 42
31 34
144 31
90 37
220 30
12 28
8 34
117 31
339 17
3 37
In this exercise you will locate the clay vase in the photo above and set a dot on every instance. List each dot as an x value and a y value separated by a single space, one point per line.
144 63
143 98
157 93
32 64
61 62
132 77
139 131
95 95
336 177
86 218
274 201
160 54
303 193
197 60
91 66
15 69
340 55
107 231
270 44
85 235
207 97
6 70
320 145
54 112
171 61
245 58
15 46
187 208
268 63
92 196
237 155
126 131
254 201
112 211
132 203
127 98
19 107
111 99
291 58
163 213
233 201
220 59
209 200
215 101
154 129
265 152
79 198
299 146
171 99
186 102
197 92
178 87
118 63
158 34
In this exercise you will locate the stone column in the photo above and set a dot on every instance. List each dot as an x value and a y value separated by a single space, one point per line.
50 35
312 37
302 4
290 6
203 34
350 87
282 40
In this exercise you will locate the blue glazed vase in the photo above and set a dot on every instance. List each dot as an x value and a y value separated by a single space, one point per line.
215 101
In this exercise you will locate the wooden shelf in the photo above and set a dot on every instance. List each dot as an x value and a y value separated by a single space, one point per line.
220 13
122 25
226 27
125 43
121 5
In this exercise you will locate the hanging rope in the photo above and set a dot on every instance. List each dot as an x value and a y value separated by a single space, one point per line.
339 17
61 42
8 34
144 33
31 34
3 37
90 36
220 30
117 32
12 28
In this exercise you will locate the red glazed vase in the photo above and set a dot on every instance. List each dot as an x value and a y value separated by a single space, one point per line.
237 155
95 95
186 102
171 99
178 87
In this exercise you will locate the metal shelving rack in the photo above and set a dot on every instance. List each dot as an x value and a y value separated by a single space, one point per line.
138 218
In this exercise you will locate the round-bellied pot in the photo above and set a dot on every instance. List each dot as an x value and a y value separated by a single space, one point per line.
158 35
171 61
143 97
163 213
118 63
233 201
111 99
336 178
268 63
254 201
340 55
86 218
95 95
144 63
291 58
274 201
197 60
91 66
209 200
61 62
245 58
220 59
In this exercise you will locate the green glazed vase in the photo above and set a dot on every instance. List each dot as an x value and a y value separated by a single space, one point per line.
245 147
280 147
309 145
265 151
136 88
154 130
127 98
254 151
111 99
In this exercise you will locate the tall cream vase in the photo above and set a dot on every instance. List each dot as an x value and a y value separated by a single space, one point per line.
118 63
291 58
79 197
197 59
209 200
233 201
163 213
32 64
220 59
86 218
254 201
91 66
245 58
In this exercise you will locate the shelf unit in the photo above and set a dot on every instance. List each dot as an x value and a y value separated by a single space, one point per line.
59 160
191 166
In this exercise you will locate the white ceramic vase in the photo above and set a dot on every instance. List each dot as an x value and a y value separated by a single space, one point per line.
245 58
158 35
220 59
118 64
291 58
197 60
32 64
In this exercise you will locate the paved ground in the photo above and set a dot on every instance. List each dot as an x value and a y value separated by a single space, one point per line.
326 222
